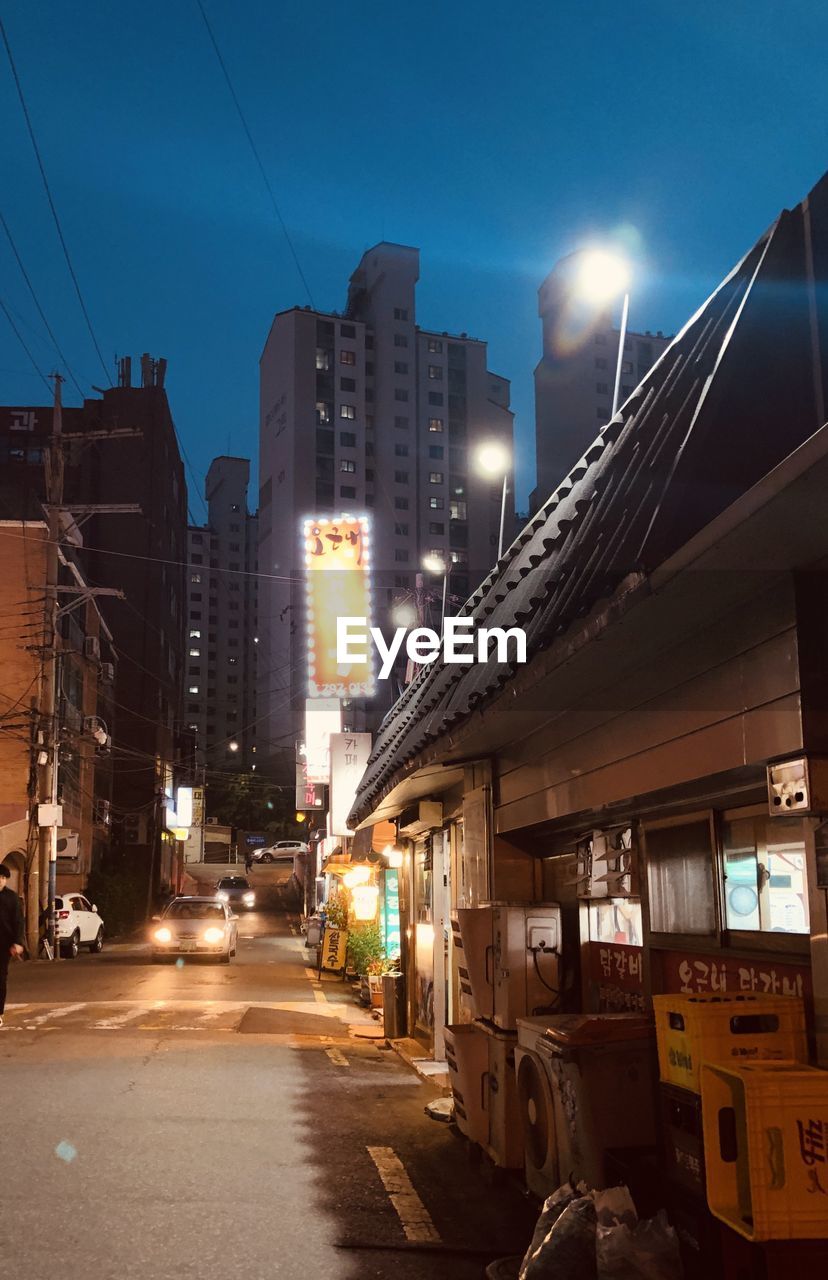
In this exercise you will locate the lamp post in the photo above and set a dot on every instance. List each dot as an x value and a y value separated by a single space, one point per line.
493 461
436 564
602 276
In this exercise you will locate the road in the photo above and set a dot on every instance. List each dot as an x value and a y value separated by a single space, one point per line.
194 1120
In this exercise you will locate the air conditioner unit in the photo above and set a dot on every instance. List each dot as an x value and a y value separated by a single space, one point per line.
107 672
135 828
211 822
427 815
92 647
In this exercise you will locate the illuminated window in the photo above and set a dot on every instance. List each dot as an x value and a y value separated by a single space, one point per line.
193 688
347 411
435 372
435 477
435 424
346 464
195 634
765 887
347 357
195 653
436 504
434 344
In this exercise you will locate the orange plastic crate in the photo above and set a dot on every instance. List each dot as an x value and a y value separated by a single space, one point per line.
765 1127
729 1029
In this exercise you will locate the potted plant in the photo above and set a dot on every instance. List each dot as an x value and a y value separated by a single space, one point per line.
365 956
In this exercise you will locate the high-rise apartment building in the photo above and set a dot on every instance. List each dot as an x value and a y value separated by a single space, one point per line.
575 376
220 686
366 412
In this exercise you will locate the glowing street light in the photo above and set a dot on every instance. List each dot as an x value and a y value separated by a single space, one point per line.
232 746
493 460
436 564
602 276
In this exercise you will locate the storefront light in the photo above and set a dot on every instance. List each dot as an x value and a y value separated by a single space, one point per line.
356 876
364 901
394 857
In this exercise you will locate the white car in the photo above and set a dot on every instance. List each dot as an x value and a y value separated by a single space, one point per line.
282 851
195 926
79 924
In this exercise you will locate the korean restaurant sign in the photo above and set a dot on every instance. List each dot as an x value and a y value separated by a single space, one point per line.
616 977
323 717
349 756
726 974
309 795
337 555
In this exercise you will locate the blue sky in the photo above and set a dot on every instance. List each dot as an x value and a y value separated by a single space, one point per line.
495 138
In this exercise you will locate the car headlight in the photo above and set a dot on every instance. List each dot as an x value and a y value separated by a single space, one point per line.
249 899
213 934
222 896
163 934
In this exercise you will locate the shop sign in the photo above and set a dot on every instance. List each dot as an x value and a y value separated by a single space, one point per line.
337 585
349 757
322 718
334 948
734 975
616 977
390 914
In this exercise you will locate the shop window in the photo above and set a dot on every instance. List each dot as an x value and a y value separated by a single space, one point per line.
765 885
680 862
616 920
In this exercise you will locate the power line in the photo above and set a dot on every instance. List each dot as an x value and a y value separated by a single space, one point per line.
22 342
258 159
40 311
58 227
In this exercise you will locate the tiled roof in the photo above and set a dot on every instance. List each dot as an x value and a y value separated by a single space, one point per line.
741 386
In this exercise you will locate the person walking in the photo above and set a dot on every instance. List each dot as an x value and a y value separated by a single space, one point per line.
12 932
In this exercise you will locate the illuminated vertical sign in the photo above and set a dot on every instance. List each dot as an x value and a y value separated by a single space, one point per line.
337 585
309 795
349 756
323 717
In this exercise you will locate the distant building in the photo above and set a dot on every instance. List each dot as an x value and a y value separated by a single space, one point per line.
365 412
85 675
575 376
220 686
143 554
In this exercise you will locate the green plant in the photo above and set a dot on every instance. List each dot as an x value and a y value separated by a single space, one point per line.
365 948
336 911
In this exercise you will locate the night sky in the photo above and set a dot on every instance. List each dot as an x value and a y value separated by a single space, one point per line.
496 138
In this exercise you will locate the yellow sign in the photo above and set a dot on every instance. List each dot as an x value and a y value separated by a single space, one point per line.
338 585
334 947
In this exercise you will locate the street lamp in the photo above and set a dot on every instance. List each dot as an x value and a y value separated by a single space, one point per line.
601 277
436 564
493 460
232 746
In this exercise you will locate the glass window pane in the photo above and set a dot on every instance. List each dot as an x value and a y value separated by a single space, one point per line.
765 875
680 877
615 920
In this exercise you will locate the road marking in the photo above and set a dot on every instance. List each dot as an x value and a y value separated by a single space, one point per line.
337 1057
113 1024
412 1213
51 1014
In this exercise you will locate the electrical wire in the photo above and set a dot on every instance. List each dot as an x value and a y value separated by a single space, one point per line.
49 197
22 342
256 155
40 310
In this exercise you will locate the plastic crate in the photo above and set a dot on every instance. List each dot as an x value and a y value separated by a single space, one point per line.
765 1130
729 1029
682 1143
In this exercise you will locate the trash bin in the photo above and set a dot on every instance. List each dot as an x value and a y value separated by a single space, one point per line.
313 936
394 1012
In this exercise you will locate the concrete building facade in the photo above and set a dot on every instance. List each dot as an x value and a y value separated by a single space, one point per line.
367 412
575 376
222 602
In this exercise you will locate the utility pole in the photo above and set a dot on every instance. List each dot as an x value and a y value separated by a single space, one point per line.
44 870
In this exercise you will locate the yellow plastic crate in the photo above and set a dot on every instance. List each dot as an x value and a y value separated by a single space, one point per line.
729 1029
765 1127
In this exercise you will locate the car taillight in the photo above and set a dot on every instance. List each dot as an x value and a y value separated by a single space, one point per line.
63 915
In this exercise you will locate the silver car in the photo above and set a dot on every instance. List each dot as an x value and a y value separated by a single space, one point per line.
282 851
195 926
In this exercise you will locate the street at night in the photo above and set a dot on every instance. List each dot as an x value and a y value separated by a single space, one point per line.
197 1121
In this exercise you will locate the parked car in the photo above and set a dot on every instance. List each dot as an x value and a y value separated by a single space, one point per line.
236 891
195 926
78 925
282 851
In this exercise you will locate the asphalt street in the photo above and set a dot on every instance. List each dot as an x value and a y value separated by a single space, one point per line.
196 1120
